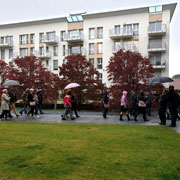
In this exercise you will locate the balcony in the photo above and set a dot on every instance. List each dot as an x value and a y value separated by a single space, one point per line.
157 30
159 64
79 50
157 47
6 44
43 55
76 37
122 33
50 40
130 47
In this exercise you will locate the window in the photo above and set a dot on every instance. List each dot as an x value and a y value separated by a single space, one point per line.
155 43
91 33
91 60
155 26
55 49
127 29
91 48
41 37
23 52
117 29
157 74
75 18
100 32
55 64
100 77
32 38
41 50
63 35
2 53
10 53
99 61
64 50
47 48
51 35
74 34
100 48
75 49
23 39
155 9
32 51
64 61
136 29
7 40
155 60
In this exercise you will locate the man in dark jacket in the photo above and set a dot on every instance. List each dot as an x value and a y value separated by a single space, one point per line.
173 101
105 103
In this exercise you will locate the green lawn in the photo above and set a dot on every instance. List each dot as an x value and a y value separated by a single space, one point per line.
34 151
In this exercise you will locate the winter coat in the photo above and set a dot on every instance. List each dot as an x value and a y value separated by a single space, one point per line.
105 97
5 99
173 100
67 100
124 99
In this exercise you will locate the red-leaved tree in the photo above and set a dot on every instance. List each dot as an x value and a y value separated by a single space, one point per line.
31 73
77 69
128 71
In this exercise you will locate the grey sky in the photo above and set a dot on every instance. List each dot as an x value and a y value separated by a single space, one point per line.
21 10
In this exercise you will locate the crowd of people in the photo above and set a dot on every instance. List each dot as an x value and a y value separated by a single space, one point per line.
31 99
169 105
131 105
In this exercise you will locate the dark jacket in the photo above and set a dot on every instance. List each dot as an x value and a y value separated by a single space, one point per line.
163 102
30 97
173 100
105 97
13 97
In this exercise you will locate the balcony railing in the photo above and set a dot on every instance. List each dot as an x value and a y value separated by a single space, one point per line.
43 55
77 37
6 44
158 64
157 30
81 51
131 47
157 47
50 40
121 33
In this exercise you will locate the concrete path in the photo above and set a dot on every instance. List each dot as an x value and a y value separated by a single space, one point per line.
52 116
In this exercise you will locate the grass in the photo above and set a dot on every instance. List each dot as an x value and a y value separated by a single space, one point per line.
34 151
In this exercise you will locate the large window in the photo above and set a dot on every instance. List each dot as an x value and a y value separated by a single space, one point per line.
51 36
155 26
100 48
55 64
55 50
155 43
117 29
91 33
127 29
100 77
91 48
91 60
32 38
63 35
10 53
32 51
2 53
155 60
41 37
41 51
23 39
100 32
23 52
99 63
136 29
75 49
155 9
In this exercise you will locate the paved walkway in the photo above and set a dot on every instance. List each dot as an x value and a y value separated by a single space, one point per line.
52 116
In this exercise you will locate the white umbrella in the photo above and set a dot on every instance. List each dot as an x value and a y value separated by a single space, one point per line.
72 85
11 83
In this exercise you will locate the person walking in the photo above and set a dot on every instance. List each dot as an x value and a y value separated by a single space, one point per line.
124 106
40 101
13 99
74 104
173 101
5 99
68 106
133 100
24 97
141 106
149 103
163 107
31 102
105 95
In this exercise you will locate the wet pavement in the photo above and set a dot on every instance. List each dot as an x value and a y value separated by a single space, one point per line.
52 116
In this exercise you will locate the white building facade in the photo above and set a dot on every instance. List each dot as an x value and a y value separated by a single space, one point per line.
97 36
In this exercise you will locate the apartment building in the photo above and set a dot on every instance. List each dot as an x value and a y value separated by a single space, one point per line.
97 36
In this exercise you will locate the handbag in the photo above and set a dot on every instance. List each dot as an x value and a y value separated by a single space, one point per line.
106 105
141 103
33 103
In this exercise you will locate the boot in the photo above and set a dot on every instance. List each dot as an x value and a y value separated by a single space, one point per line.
121 117
128 117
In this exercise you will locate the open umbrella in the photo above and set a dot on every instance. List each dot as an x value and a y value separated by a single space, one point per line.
11 83
72 85
159 80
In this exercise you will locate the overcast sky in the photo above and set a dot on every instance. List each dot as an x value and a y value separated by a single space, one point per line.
22 10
